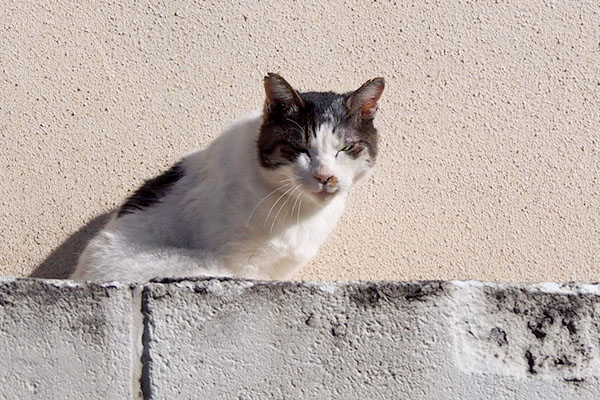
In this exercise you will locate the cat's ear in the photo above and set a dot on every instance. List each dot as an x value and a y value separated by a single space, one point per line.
281 96
365 99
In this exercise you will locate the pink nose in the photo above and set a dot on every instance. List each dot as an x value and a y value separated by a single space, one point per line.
322 177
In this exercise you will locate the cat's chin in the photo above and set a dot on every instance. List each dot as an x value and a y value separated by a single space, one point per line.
324 196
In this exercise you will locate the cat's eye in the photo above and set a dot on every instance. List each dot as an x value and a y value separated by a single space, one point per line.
289 151
351 148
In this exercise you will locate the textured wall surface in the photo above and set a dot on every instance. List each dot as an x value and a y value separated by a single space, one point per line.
490 123
226 339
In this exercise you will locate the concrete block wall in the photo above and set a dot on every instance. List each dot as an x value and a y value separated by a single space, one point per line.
231 339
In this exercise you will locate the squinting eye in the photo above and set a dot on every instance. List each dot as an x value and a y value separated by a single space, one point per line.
353 149
346 149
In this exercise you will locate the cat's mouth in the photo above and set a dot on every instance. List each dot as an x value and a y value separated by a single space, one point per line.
327 190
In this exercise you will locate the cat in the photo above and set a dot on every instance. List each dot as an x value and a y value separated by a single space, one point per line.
257 203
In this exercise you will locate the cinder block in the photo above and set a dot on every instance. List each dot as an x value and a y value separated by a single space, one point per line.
62 340
226 339
249 340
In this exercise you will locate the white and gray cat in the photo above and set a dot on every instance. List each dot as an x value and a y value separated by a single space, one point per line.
258 202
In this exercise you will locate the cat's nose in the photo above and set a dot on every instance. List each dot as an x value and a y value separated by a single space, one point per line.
323 177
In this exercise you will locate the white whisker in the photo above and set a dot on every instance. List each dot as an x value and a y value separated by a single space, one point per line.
263 199
295 202
297 124
292 179
281 208
299 207
274 204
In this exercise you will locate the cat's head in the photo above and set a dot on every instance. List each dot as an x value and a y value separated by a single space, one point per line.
320 142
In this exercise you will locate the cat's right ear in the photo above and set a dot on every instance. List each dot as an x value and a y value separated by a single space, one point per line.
281 96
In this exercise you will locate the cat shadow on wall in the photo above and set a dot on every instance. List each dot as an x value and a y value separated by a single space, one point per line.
62 261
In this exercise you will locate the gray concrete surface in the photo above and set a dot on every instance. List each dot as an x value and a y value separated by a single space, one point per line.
61 340
228 339
430 340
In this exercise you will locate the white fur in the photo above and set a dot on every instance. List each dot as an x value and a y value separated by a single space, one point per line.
228 215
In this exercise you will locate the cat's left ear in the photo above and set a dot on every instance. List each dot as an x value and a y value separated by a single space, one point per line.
365 99
281 96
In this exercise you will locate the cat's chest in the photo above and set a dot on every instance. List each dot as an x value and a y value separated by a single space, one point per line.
278 256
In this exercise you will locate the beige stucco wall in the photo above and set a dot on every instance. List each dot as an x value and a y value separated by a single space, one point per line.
490 123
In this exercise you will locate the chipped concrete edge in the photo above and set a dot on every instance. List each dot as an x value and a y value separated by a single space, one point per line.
326 286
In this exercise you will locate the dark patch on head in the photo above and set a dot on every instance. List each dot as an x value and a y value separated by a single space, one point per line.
291 120
152 190
284 136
